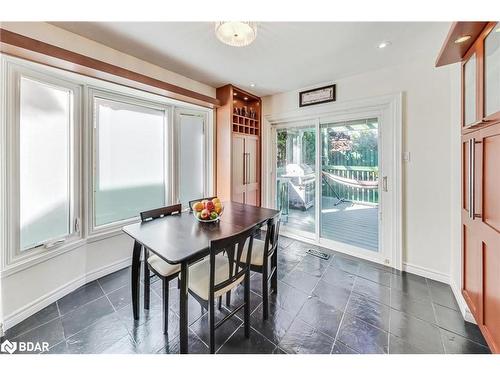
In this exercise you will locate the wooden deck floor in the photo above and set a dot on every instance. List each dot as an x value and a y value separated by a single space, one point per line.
349 223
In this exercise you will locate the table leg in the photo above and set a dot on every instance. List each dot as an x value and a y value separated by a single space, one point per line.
136 270
183 304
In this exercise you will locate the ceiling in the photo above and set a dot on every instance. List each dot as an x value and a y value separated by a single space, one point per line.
285 56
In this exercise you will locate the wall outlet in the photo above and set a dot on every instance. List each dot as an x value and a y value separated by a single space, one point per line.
406 156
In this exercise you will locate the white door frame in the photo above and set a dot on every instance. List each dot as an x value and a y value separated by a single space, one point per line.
388 109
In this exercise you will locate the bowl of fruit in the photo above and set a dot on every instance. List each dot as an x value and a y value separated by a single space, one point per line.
208 211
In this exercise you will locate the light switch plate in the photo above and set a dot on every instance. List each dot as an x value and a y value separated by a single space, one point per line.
406 156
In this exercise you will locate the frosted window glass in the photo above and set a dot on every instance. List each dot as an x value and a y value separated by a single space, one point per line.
130 167
44 157
192 158
470 90
492 71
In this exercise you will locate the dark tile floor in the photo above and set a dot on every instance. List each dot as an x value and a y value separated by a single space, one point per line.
342 305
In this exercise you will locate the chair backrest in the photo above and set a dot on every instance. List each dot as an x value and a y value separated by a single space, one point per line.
198 200
272 234
160 212
233 247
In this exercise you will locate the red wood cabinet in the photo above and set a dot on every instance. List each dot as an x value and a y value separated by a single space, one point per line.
480 175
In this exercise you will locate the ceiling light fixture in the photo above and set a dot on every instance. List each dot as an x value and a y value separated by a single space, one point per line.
252 85
462 39
384 44
236 33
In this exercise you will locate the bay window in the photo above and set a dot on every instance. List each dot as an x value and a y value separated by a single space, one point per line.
69 141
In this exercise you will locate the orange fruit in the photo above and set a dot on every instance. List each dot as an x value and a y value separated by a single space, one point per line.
215 200
198 206
218 207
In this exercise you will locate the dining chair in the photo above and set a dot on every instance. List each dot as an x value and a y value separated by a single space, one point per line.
223 270
165 271
265 254
198 200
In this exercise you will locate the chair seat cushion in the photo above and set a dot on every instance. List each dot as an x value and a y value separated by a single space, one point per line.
199 277
257 252
163 268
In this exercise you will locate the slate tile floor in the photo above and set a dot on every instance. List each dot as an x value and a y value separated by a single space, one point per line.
342 305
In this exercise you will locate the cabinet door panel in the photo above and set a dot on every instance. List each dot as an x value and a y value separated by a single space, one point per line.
491 299
472 253
252 150
252 180
491 178
238 169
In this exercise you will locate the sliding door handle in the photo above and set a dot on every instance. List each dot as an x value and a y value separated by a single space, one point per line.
384 184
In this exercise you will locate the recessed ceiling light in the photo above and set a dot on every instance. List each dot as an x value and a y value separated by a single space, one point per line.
384 44
234 94
252 85
462 39
245 98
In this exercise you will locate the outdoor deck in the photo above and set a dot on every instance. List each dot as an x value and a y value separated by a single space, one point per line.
349 223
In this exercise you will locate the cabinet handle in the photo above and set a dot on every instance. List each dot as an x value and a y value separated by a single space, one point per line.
244 168
248 167
472 171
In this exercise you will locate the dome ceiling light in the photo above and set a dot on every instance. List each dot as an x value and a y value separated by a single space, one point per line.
236 33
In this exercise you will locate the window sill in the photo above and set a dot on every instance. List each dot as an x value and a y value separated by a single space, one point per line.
18 265
22 264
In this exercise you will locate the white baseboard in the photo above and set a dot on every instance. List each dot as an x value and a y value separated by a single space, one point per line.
32 308
426 272
438 276
464 309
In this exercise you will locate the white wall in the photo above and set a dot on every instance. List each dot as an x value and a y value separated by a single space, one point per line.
25 292
428 179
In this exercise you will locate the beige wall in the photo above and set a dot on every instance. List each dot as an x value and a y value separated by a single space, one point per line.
59 37
428 178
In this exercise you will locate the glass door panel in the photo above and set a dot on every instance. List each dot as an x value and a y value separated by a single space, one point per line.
349 183
470 114
295 178
492 72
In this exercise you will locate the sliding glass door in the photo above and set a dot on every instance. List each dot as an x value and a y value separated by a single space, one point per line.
349 183
296 177
327 182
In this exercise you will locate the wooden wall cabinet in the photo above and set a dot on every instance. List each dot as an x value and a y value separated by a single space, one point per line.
238 146
481 177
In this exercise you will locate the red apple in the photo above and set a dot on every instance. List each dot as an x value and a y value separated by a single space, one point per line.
205 214
210 206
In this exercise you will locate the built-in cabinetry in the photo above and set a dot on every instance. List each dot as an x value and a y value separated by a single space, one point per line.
238 146
481 178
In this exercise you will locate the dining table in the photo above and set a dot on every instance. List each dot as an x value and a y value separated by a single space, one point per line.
182 239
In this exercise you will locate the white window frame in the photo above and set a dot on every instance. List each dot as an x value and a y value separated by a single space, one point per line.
9 263
176 156
12 74
95 93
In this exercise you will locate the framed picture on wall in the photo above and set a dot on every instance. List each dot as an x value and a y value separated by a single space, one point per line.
317 96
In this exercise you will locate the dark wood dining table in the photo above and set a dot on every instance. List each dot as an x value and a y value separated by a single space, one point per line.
181 239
